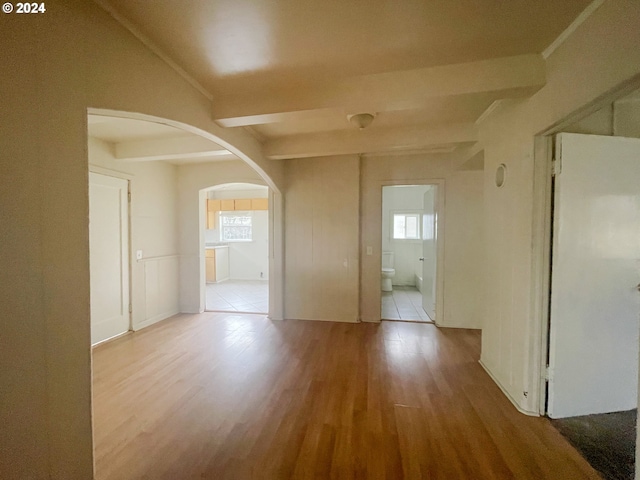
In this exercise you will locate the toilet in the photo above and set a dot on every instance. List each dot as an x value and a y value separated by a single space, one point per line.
388 272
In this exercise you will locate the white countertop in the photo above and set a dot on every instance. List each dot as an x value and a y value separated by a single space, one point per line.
210 247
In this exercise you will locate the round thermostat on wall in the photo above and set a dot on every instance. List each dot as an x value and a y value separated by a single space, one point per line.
501 175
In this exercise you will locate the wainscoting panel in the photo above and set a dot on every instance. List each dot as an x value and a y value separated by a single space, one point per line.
161 289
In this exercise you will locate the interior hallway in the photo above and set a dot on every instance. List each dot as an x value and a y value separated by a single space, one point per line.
228 396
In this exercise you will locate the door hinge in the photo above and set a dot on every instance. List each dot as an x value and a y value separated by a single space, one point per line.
130 308
547 373
129 197
556 167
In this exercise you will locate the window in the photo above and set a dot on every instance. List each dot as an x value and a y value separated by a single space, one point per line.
235 226
406 226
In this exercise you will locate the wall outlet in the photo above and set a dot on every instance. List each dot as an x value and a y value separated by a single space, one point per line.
369 250
138 254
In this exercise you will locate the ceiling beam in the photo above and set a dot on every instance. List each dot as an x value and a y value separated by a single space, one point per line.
171 148
371 140
514 77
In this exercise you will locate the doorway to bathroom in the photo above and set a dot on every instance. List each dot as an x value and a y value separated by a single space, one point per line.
409 252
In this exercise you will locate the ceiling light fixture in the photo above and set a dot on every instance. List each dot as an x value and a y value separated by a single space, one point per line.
361 120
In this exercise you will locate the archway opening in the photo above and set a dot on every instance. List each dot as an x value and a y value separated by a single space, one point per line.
236 247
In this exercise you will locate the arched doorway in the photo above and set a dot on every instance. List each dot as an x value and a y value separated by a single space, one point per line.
201 161
236 248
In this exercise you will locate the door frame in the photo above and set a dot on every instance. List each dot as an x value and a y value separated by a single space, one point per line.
275 248
440 211
129 179
542 234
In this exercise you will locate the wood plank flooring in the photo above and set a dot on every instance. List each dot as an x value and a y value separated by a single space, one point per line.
227 396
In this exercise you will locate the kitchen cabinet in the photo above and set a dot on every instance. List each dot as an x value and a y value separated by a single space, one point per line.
242 204
213 212
210 264
216 264
259 204
227 205
215 206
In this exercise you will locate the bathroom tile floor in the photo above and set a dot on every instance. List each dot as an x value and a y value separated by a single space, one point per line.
404 303
249 296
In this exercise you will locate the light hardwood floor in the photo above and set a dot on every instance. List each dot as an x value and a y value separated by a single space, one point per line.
227 396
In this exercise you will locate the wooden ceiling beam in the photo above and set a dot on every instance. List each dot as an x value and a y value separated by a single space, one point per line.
513 77
372 140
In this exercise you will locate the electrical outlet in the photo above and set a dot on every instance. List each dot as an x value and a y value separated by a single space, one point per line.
138 254
369 250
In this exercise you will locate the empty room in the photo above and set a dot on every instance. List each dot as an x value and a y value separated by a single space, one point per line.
320 239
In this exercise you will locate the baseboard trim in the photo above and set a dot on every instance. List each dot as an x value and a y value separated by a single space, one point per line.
111 339
324 320
370 320
155 319
506 392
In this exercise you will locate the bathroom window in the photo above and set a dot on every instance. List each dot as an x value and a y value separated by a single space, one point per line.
236 226
406 226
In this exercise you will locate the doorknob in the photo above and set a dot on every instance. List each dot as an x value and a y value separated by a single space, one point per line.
422 260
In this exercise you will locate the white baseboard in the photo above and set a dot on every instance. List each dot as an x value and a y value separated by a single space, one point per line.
506 392
248 279
155 319
324 320
370 320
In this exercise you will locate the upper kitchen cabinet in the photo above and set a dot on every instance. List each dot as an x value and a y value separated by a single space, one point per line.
242 204
215 206
227 205
259 204
213 210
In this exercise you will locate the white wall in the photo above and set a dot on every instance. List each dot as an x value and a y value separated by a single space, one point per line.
154 230
604 50
397 199
627 118
250 260
321 238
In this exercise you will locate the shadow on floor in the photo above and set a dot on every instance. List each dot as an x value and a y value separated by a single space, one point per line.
607 441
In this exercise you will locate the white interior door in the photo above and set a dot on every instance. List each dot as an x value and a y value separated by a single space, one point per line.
595 306
429 252
109 256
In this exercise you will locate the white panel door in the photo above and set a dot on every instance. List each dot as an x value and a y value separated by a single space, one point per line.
109 256
429 252
595 305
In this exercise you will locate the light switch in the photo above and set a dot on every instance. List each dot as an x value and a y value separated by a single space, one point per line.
369 250
138 254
